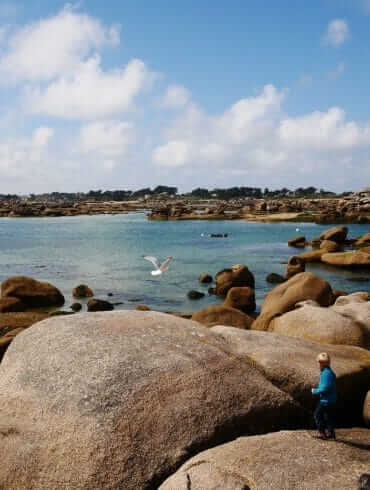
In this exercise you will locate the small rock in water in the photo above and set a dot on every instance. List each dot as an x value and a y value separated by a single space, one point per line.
110 294
195 294
205 278
76 306
99 305
82 291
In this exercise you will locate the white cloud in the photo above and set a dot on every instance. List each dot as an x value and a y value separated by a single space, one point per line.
106 141
90 92
176 96
20 157
253 138
50 47
322 131
337 33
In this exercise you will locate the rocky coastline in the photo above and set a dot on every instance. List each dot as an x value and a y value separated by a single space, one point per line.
354 208
145 400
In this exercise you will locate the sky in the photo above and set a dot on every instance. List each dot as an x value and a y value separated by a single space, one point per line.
126 94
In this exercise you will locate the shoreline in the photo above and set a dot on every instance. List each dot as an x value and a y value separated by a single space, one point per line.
349 210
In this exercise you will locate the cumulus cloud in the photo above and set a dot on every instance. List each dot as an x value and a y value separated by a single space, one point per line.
176 96
54 46
336 33
255 138
106 141
89 92
19 157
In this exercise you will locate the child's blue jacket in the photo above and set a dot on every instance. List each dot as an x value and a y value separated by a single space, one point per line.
327 387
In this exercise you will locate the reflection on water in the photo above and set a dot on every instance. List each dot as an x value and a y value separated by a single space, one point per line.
106 252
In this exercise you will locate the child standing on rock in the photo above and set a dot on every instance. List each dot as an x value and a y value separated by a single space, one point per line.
324 413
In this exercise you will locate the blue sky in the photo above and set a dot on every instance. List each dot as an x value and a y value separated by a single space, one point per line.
129 94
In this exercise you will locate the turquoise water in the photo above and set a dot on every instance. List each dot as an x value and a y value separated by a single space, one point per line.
106 252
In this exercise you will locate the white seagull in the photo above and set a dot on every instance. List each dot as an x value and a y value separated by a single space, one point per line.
159 268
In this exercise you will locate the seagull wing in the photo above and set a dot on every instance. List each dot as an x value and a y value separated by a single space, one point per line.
165 264
153 260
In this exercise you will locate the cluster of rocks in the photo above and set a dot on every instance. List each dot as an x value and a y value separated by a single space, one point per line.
144 400
332 248
27 209
352 209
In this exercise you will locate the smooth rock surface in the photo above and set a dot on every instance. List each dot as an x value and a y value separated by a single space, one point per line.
119 399
290 364
222 315
31 292
237 276
281 461
284 297
242 299
323 325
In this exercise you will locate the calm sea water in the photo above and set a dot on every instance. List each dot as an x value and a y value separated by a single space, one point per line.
106 252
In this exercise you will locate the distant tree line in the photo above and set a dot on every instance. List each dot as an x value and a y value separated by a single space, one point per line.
162 191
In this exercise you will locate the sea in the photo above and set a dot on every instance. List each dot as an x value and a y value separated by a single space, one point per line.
106 253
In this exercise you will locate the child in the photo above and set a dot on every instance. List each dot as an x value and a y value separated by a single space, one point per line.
324 413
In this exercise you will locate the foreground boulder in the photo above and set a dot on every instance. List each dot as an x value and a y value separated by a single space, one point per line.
283 460
284 297
222 315
242 299
336 234
355 306
357 259
323 325
31 292
238 276
125 398
363 241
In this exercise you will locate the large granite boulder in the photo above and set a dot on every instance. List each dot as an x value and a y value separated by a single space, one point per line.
284 297
242 299
357 259
312 255
290 363
238 276
11 305
323 325
222 315
280 461
336 234
329 246
355 306
31 292
120 399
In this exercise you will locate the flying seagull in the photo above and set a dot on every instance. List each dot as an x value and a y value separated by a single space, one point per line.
159 268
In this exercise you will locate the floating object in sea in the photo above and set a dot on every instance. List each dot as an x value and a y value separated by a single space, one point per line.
297 229
159 268
218 235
